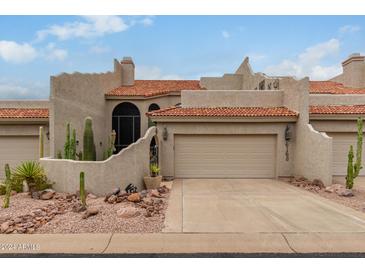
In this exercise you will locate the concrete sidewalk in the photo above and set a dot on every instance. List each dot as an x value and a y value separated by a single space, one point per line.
284 243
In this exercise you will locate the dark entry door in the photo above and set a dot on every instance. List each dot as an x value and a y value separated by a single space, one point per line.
127 125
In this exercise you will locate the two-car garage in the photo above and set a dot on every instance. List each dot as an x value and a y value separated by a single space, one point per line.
225 156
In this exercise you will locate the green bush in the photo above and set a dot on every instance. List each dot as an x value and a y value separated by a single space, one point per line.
33 174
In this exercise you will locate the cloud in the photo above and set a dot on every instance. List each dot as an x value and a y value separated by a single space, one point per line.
16 90
98 49
14 52
154 73
55 54
90 26
225 34
308 63
349 29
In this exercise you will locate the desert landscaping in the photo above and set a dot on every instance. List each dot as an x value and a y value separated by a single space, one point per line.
53 212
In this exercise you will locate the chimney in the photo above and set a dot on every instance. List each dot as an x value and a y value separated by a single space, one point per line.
127 71
354 71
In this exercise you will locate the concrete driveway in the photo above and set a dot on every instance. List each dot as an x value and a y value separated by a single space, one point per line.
254 205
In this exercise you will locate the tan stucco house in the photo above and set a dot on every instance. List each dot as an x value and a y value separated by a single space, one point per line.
240 125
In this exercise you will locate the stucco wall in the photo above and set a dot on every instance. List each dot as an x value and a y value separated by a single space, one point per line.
232 98
130 165
243 79
330 99
73 98
284 168
313 150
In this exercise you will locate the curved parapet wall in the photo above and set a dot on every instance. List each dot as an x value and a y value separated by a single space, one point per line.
130 165
313 155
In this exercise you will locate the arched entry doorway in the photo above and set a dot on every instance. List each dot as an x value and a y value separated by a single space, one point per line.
152 107
126 121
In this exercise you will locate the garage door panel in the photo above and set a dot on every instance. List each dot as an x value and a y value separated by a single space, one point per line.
225 156
15 149
341 145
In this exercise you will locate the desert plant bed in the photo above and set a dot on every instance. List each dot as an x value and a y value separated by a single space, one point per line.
119 211
354 198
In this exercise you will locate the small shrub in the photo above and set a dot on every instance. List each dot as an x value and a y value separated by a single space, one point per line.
155 170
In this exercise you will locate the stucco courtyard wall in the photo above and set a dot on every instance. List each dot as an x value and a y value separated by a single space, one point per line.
130 165
313 150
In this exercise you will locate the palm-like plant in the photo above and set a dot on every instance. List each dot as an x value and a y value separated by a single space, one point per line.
31 172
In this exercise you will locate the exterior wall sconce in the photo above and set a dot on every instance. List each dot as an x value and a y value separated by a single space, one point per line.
288 137
165 134
47 134
77 142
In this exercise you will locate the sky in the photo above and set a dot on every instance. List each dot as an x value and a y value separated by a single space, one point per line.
32 48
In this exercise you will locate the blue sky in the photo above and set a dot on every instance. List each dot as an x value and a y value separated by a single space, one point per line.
32 48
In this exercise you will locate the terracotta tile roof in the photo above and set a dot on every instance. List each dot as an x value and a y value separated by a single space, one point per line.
225 112
336 109
330 87
149 88
24 113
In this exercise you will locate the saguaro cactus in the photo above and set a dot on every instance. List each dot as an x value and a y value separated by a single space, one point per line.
41 142
111 145
72 150
82 189
67 142
89 153
8 187
353 169
350 169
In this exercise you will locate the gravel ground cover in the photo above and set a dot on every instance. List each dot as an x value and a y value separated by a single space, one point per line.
336 193
61 215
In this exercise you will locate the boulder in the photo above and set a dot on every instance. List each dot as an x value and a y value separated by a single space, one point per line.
155 193
91 211
128 212
346 193
4 227
47 194
134 197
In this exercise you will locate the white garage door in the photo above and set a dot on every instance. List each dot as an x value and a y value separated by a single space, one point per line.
225 156
341 145
15 149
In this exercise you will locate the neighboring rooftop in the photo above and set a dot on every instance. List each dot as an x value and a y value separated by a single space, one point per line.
148 88
331 87
19 113
225 112
337 109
